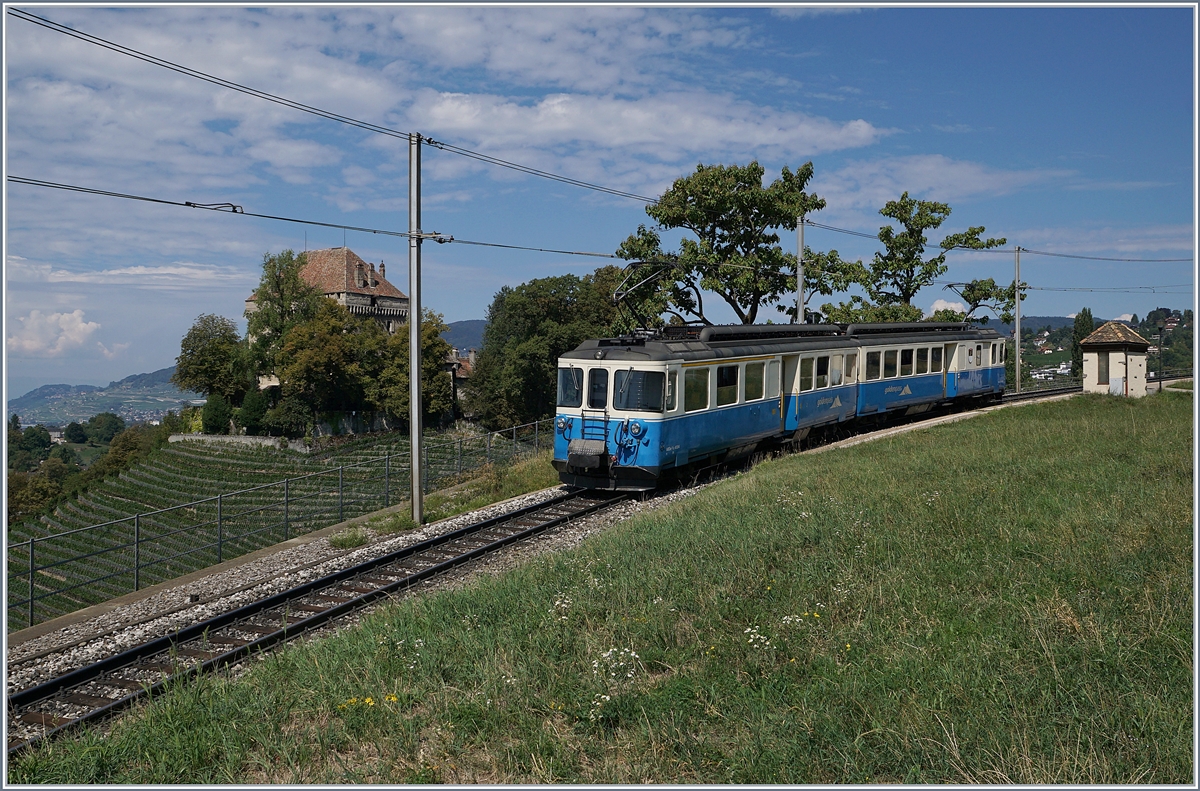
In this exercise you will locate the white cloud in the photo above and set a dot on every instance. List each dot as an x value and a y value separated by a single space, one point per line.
181 275
941 304
111 354
1125 317
50 334
1069 315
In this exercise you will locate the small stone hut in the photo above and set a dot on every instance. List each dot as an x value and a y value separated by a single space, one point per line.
1114 361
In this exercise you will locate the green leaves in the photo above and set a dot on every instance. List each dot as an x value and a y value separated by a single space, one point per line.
736 253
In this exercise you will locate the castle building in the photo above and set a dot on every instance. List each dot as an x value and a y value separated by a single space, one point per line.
355 284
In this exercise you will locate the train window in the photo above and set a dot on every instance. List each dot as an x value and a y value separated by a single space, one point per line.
979 354
695 389
889 364
773 379
835 370
672 389
851 368
922 360
727 378
570 386
995 351
906 362
598 388
1004 353
970 356
806 374
872 365
935 360
823 371
754 381
638 391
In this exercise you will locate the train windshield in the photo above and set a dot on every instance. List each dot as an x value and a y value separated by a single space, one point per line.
639 391
570 386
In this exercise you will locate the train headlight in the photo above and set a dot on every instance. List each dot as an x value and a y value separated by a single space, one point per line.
636 428
562 424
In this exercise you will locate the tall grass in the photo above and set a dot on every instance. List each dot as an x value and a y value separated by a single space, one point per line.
1005 599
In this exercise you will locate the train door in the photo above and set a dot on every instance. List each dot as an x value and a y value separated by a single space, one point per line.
950 367
787 392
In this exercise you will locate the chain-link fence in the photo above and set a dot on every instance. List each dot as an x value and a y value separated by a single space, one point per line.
56 574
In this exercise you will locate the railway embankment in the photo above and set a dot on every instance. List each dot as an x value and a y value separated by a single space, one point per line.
1000 599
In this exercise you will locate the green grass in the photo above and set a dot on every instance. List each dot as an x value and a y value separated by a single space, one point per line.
1002 599
1180 385
349 538
493 484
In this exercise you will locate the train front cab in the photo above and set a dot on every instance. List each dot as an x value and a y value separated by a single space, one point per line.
609 423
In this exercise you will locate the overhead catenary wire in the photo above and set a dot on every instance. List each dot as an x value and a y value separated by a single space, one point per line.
317 111
232 208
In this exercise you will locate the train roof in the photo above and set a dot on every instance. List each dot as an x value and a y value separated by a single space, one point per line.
745 340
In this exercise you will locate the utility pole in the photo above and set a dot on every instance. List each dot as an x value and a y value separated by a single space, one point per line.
1017 328
800 270
414 323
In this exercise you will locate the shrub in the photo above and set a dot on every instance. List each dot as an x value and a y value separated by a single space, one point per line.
216 415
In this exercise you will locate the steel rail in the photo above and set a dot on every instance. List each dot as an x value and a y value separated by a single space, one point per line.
20 703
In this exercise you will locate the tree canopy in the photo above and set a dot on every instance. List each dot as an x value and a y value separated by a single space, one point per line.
282 300
210 359
529 327
1085 325
735 253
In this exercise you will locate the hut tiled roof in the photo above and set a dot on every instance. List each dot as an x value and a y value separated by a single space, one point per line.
1115 333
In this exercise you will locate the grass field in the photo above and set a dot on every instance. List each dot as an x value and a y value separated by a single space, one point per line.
1002 599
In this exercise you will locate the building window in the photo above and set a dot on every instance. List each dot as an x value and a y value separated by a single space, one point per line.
1102 368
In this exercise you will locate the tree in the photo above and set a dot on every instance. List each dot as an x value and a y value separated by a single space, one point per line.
528 328
895 276
291 417
216 415
253 411
736 253
327 360
1085 325
1001 300
103 427
75 433
210 359
282 300
389 391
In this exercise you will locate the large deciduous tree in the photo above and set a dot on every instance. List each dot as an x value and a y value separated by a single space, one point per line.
325 360
210 359
895 276
389 390
983 294
282 300
735 253
528 328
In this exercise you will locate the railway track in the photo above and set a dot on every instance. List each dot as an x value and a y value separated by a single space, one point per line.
100 689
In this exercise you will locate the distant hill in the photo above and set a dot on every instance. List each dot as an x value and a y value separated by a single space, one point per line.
135 398
465 335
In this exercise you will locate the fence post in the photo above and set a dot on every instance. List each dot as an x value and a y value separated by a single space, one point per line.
340 492
220 532
458 460
286 526
31 581
387 469
137 551
537 425
514 450
425 468
489 447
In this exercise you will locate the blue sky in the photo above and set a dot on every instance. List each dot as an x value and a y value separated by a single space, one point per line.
1068 130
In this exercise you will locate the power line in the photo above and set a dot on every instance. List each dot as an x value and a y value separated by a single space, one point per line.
305 108
1101 258
232 208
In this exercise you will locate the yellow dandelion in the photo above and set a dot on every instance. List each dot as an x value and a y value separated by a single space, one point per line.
847 646
390 698
352 701
816 615
371 701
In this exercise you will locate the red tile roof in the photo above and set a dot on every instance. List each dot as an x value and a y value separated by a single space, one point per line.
333 271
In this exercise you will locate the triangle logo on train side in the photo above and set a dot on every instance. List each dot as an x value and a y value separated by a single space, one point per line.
837 402
906 391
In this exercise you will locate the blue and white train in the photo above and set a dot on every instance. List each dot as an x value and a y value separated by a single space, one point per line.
634 410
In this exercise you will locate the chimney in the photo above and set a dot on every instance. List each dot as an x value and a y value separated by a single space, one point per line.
381 273
471 357
371 276
359 275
